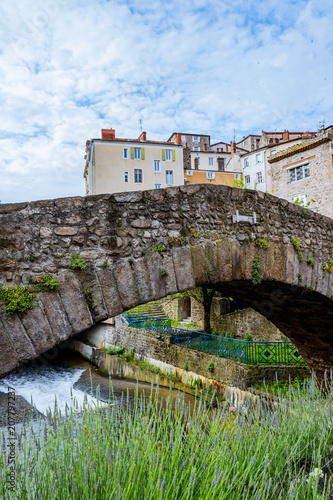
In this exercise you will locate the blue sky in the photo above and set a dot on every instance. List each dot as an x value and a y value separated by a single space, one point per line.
71 67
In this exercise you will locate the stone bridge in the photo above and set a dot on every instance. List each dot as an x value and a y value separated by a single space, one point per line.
142 246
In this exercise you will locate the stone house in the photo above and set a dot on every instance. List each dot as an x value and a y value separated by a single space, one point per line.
304 171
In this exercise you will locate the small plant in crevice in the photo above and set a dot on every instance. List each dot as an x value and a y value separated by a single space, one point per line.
47 283
131 262
256 276
164 272
327 267
262 243
310 261
185 367
32 258
158 248
17 299
248 337
77 262
192 231
105 264
300 255
130 243
210 367
299 277
295 243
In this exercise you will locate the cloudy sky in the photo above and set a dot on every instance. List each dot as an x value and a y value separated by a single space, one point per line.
71 67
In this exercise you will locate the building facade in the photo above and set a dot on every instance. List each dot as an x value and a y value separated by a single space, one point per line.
115 165
195 142
304 172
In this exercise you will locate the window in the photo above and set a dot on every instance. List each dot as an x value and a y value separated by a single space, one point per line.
137 154
195 149
183 138
210 175
258 158
245 143
210 162
126 177
169 176
168 154
157 186
157 166
125 153
138 175
247 179
189 172
298 173
195 138
259 177
246 162
273 152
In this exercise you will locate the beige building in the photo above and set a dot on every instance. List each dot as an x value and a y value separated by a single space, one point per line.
304 171
114 165
196 142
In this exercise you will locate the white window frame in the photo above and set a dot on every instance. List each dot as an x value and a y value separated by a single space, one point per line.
189 172
195 138
300 197
157 186
258 158
125 154
273 152
247 177
210 175
135 181
257 178
294 168
166 177
159 170
246 162
211 162
126 175
137 153
168 155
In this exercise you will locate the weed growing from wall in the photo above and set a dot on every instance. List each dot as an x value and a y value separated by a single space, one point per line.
77 262
256 276
17 299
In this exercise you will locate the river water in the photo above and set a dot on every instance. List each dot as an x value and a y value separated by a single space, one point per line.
68 380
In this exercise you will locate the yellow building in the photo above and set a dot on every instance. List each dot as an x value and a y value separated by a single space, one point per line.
114 165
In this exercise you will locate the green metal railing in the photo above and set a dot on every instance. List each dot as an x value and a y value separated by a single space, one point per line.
254 353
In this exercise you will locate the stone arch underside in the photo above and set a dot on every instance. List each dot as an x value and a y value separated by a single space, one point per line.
128 239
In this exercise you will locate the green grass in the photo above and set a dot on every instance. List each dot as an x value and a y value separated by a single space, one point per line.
283 387
142 451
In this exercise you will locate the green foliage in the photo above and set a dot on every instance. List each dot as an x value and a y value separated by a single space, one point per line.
164 272
248 337
239 183
158 248
176 241
262 243
301 203
327 267
192 231
131 262
17 299
105 264
47 283
127 355
87 342
300 255
181 209
210 367
282 387
299 277
114 350
148 366
295 243
77 262
32 258
185 367
130 243
256 276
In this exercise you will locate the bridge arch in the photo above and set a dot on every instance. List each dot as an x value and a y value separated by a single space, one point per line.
142 246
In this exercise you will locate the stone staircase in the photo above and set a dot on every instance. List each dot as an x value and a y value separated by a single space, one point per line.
151 309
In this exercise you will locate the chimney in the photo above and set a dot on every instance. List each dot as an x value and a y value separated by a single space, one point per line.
276 140
109 134
233 149
178 139
286 135
143 136
205 147
186 146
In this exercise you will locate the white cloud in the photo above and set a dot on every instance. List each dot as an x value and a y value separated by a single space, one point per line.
70 68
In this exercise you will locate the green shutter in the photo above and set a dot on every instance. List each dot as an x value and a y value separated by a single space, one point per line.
132 153
142 153
173 155
163 154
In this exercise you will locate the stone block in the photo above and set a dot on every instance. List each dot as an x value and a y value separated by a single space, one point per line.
183 269
65 231
126 285
110 292
74 302
56 315
38 329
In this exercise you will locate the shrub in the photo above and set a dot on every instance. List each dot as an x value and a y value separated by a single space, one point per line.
210 367
158 248
262 243
47 283
17 299
77 262
256 276
310 261
295 243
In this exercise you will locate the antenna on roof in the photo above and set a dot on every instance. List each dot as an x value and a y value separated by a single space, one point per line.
234 135
140 123
321 126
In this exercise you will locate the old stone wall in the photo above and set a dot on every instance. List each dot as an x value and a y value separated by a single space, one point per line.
142 246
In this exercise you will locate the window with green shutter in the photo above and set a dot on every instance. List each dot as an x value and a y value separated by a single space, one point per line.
163 154
132 153
173 155
142 153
